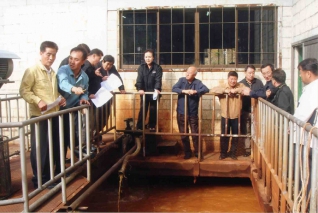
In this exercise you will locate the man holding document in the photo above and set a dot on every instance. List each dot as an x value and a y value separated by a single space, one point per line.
39 88
110 80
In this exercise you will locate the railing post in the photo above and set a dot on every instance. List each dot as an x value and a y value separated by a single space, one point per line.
62 157
88 143
200 128
23 170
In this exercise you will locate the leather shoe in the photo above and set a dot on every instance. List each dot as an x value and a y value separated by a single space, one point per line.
247 154
187 156
222 156
233 156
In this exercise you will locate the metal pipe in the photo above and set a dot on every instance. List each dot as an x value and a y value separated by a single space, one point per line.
121 172
99 181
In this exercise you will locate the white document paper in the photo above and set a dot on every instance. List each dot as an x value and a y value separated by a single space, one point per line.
112 83
102 96
52 105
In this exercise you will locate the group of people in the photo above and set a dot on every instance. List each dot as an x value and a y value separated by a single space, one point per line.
80 74
75 83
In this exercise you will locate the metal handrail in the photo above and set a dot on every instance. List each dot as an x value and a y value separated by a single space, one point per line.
281 153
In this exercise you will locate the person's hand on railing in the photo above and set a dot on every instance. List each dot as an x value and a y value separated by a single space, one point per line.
42 105
268 93
189 91
62 102
122 91
141 92
246 91
83 101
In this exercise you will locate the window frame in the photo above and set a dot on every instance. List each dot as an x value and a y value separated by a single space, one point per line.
197 36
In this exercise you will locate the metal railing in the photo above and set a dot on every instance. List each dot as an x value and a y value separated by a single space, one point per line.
172 96
64 171
285 156
13 109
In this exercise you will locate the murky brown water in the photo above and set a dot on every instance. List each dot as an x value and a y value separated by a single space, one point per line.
175 194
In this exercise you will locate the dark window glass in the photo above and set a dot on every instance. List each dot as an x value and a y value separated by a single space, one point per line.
152 37
128 59
268 14
189 37
189 58
228 15
139 58
242 58
128 39
204 15
242 38
140 40
255 15
242 15
165 16
177 16
216 36
255 37
151 17
177 58
165 38
128 17
268 58
204 37
216 15
189 15
165 58
140 17
177 38
227 36
268 37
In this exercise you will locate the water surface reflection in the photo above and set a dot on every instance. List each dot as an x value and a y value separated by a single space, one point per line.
174 194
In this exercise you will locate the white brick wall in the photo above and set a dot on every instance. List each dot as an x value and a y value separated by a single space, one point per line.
305 19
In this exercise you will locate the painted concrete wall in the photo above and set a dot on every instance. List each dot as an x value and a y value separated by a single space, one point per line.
305 19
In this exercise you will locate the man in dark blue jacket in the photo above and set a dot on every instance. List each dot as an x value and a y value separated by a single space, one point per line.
252 85
193 88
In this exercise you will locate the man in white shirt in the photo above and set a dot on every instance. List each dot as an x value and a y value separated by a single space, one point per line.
307 108
308 101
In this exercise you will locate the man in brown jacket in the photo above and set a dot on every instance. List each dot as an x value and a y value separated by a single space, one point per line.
229 112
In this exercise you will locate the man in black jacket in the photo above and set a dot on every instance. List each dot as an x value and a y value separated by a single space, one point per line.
104 69
252 84
194 88
283 98
89 68
149 79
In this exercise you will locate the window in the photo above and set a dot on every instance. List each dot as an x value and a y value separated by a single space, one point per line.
217 37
